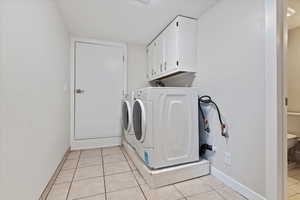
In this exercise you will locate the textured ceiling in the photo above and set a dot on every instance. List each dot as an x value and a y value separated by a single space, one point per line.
126 20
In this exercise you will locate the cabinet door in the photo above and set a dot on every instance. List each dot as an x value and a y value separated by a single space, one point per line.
160 54
171 47
150 58
187 43
155 58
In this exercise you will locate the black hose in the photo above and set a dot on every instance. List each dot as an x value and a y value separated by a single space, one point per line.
159 83
207 100
205 121
204 148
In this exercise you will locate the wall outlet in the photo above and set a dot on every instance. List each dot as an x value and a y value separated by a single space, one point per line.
66 87
227 158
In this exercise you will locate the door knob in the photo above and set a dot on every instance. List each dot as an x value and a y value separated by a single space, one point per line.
79 91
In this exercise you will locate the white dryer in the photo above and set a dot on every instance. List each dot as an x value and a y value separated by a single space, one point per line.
129 135
165 122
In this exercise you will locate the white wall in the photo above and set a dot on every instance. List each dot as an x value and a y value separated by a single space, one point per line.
137 67
231 65
34 54
293 80
1 105
231 69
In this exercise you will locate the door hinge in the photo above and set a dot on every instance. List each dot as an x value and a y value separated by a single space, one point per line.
177 24
286 101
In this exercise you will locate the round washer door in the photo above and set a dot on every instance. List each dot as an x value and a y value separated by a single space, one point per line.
139 120
126 113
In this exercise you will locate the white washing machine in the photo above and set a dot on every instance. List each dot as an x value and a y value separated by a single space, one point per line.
165 122
127 105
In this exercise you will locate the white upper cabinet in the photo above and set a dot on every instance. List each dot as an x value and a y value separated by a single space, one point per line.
173 51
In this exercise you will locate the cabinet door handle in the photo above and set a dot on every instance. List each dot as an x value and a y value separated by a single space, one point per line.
160 67
79 91
165 65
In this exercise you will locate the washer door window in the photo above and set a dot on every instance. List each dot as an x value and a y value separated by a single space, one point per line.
126 115
139 120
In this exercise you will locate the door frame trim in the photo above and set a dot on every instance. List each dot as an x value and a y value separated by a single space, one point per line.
276 143
91 142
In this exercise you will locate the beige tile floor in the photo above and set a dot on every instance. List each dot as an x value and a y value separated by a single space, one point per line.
294 184
109 174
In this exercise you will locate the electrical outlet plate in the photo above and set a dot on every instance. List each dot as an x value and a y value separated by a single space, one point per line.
227 158
66 87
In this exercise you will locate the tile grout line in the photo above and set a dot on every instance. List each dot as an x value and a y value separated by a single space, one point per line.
46 197
91 165
179 191
144 195
218 192
94 165
74 175
213 190
126 160
102 159
124 172
94 195
115 162
87 178
223 197
120 190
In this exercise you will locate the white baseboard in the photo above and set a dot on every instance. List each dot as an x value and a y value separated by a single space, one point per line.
95 143
235 185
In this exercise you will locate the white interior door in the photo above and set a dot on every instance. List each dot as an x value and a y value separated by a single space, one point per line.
99 84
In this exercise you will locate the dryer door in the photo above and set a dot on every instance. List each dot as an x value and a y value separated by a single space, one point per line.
139 120
126 115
